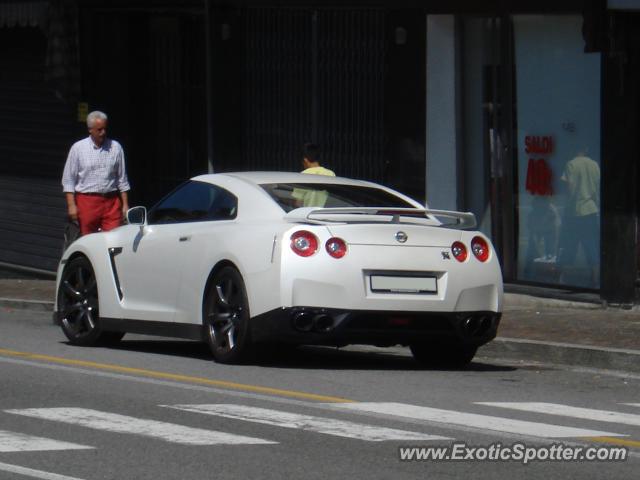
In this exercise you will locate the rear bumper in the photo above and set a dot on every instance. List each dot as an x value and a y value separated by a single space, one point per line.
325 326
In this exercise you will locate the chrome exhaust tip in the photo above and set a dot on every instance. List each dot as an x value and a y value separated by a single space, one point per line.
323 323
477 326
302 321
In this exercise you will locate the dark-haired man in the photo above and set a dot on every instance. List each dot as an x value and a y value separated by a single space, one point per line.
311 161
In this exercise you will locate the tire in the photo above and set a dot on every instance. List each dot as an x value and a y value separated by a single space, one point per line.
79 306
225 318
447 355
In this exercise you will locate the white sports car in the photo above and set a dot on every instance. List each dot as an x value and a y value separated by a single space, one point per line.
240 260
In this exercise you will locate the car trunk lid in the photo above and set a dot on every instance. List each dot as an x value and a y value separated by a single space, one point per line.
395 235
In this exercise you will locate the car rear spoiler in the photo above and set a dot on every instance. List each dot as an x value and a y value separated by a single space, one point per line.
461 220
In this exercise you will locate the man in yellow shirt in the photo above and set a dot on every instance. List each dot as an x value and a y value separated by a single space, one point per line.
311 164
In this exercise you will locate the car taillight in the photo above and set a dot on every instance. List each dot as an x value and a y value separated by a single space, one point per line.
336 247
480 248
459 251
304 243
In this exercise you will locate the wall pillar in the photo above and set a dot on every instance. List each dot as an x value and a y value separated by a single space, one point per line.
442 152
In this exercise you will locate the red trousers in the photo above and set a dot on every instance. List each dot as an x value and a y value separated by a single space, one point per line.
98 212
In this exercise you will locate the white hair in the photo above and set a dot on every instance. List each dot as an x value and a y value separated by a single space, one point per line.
95 115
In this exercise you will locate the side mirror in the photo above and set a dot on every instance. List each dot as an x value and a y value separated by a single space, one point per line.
137 216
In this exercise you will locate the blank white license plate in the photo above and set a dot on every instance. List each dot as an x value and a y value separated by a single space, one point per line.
397 284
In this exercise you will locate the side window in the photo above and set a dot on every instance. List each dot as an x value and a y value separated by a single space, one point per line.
224 205
195 202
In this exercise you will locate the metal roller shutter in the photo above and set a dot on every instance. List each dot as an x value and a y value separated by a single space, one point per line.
36 130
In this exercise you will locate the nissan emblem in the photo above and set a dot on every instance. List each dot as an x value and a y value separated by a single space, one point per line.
401 237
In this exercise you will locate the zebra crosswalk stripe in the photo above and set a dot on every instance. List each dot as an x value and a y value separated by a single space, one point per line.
112 422
19 442
485 422
329 426
569 411
30 472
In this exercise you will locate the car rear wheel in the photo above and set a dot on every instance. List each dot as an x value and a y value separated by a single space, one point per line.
226 317
443 355
79 307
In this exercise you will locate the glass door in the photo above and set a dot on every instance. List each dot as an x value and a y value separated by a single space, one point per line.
557 88
487 112
531 149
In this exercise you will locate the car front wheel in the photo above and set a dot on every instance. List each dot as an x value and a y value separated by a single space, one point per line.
445 355
78 305
226 317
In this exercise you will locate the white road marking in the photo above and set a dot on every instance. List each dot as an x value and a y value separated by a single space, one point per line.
19 442
30 472
112 422
569 411
329 426
269 398
485 422
632 404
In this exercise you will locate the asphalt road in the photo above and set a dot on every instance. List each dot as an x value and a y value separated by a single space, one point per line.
155 408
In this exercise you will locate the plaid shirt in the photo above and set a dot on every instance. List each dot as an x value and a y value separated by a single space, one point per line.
93 169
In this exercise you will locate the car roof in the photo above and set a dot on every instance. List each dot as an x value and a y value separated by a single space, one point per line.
259 178
248 187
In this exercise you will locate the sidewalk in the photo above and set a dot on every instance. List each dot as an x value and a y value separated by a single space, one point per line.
28 293
571 333
532 328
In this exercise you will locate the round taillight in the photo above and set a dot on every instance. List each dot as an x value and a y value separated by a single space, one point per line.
304 243
459 251
336 247
480 248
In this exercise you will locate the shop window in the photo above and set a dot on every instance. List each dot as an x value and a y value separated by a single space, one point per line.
557 97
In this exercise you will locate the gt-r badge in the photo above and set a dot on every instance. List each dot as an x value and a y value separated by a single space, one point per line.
445 256
401 237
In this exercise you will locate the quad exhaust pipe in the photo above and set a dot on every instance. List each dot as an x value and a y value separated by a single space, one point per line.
473 327
313 322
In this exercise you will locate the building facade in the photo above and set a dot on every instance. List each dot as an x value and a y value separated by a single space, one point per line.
525 113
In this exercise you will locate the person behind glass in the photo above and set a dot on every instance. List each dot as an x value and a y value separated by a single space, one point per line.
95 180
311 161
581 222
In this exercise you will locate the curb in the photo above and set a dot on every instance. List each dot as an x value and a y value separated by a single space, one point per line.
21 304
517 301
563 353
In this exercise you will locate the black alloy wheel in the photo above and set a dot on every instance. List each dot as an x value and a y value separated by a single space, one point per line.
226 317
443 355
79 307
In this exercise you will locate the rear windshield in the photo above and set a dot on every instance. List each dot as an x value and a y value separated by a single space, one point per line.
296 195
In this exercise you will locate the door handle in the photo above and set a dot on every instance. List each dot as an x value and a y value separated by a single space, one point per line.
184 239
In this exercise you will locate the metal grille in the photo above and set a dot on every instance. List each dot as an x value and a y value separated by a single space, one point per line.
175 90
350 95
277 96
315 76
36 130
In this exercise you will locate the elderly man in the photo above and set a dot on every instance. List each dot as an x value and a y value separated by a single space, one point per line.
95 180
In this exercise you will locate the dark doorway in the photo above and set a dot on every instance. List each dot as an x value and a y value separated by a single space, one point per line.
315 76
146 70
349 79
